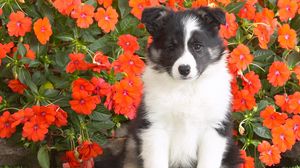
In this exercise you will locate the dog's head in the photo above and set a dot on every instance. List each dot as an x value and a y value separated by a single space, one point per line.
184 42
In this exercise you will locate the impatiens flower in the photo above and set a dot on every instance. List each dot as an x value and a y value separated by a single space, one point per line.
128 43
22 116
60 116
295 125
283 137
35 130
16 86
263 36
84 15
294 103
6 128
42 29
82 86
279 73
271 118
243 100
77 63
137 7
287 37
18 24
88 150
105 3
30 53
229 30
101 88
287 9
5 49
283 102
199 3
102 62
248 161
83 104
129 63
1 11
269 155
44 114
251 82
248 11
297 72
71 160
107 19
240 57
65 7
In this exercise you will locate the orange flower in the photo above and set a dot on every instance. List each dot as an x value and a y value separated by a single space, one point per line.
30 53
263 36
137 7
199 3
105 3
297 72
101 87
88 150
82 86
229 30
294 103
287 9
247 12
101 62
84 15
1 11
83 104
22 116
240 57
42 30
60 116
129 63
283 102
35 130
271 118
107 19
295 125
71 161
6 128
44 114
18 24
248 161
283 137
16 86
269 155
266 16
251 82
65 7
243 100
77 63
287 37
5 49
128 43
279 73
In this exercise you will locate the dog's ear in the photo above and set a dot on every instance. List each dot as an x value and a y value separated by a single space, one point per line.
153 18
212 16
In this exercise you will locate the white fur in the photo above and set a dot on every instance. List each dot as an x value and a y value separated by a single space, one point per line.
183 116
187 58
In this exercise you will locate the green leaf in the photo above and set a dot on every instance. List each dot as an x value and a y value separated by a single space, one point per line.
123 7
262 105
262 131
101 44
43 157
25 78
234 7
98 116
21 49
65 37
99 138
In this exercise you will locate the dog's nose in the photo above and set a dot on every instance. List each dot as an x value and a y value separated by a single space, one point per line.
184 70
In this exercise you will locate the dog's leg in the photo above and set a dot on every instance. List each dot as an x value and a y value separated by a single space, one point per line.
211 149
155 148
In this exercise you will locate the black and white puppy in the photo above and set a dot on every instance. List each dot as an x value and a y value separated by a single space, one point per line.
184 119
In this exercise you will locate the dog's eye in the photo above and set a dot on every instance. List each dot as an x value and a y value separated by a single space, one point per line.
197 47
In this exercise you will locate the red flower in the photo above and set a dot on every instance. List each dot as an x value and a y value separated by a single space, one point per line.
243 100
35 130
297 72
269 155
42 29
128 43
30 53
287 37
283 102
283 137
16 86
6 128
82 86
60 116
44 114
278 74
22 116
263 36
251 82
272 118
129 63
137 7
107 19
287 9
105 3
229 30
5 49
77 63
294 103
240 57
102 62
71 160
83 104
88 150
101 87
248 11
295 125
18 24
84 15
65 7
248 161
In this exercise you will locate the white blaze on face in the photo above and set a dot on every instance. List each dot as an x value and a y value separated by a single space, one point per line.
187 59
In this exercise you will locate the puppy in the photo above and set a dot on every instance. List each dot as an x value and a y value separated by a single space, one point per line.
184 118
